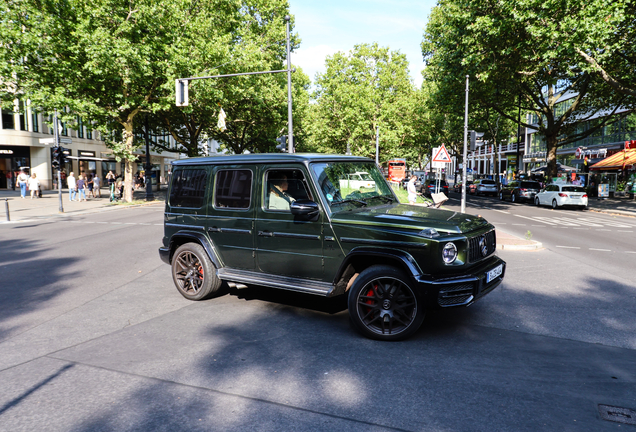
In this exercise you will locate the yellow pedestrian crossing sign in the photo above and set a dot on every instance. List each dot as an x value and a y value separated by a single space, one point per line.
441 156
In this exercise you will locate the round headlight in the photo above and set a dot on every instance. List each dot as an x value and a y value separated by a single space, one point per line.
449 253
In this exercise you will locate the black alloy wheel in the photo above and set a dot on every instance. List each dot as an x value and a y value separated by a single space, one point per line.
383 306
193 273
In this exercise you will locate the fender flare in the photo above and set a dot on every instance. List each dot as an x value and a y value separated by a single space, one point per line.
197 237
406 260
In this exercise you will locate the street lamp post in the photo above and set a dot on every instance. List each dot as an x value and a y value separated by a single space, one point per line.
290 122
463 205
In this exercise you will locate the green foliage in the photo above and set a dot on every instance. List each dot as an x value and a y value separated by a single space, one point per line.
512 49
359 91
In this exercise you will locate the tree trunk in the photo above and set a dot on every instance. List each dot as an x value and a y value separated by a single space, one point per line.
551 156
495 149
128 174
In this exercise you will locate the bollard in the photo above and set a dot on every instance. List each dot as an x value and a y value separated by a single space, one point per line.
6 207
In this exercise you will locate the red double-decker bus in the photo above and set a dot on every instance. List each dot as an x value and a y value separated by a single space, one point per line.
397 169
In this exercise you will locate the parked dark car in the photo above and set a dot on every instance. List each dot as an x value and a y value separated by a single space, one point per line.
429 186
484 187
458 186
520 190
291 221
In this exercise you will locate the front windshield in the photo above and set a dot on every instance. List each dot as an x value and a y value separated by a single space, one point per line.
347 185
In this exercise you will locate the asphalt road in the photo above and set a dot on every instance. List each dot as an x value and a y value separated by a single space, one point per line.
600 241
94 337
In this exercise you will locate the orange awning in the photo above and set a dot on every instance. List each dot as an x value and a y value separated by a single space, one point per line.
617 161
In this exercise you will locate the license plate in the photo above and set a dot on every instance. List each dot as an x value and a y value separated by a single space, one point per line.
492 274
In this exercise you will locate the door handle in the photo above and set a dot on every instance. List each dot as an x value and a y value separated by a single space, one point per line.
265 234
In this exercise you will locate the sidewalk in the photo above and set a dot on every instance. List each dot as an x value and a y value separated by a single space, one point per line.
21 210
618 205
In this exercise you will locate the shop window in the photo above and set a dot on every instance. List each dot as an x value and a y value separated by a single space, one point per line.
7 120
34 121
80 127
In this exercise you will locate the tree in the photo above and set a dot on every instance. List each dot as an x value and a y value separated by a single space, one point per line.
516 49
359 92
110 60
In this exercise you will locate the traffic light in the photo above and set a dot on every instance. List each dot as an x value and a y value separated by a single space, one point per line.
63 154
56 157
473 140
282 146
181 92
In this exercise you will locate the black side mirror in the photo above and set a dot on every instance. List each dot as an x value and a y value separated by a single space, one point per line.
305 209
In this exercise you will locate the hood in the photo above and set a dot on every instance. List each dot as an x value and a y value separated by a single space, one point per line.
413 217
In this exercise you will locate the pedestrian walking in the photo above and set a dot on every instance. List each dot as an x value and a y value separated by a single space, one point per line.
23 179
97 184
90 183
410 188
34 186
72 186
81 187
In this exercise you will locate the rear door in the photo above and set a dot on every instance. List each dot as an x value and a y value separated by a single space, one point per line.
285 244
230 220
186 207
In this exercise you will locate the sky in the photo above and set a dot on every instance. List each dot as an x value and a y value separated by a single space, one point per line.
328 26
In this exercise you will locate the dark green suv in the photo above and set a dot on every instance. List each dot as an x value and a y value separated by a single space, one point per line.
299 222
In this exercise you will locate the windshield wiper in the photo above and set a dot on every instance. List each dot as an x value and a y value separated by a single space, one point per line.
363 203
386 197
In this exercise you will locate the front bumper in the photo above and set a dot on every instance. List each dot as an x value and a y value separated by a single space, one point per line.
461 290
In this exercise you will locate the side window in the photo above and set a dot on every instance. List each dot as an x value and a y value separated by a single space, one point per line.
284 187
188 188
233 189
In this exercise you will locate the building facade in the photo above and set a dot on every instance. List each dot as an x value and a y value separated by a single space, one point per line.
21 148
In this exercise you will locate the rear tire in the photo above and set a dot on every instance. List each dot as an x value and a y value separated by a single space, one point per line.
555 205
383 305
193 273
512 197
501 198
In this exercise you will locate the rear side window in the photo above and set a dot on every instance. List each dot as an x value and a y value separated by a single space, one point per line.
233 189
488 182
530 185
188 188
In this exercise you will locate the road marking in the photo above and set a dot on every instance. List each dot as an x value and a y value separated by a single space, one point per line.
601 250
116 223
131 223
535 220
144 224
158 224
624 231
101 222
630 252
501 211
539 226
569 247
581 228
603 230
519 224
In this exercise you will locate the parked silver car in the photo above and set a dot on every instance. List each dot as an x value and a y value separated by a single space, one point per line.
485 187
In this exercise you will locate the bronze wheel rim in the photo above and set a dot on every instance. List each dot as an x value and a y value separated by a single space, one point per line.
188 272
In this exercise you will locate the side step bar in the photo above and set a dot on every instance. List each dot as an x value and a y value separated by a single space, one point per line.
275 281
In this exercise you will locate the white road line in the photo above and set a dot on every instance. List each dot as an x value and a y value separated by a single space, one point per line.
144 224
601 250
88 222
501 211
539 226
581 228
116 223
630 252
130 223
519 224
535 220
624 231
603 230
569 247
101 222
159 224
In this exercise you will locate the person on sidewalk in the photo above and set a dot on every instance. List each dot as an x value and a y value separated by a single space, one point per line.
81 187
22 182
89 184
410 188
97 183
72 186
34 186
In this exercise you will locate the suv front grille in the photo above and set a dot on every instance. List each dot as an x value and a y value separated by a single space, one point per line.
474 249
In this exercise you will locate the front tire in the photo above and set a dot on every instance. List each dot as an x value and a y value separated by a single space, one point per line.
383 305
193 273
537 202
